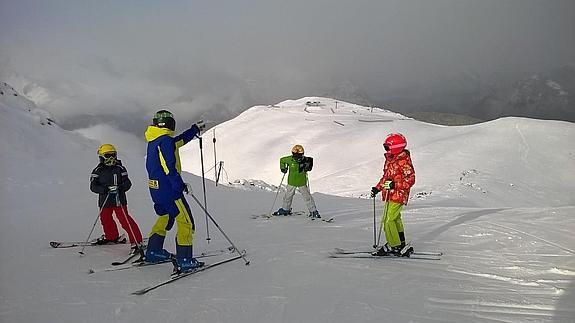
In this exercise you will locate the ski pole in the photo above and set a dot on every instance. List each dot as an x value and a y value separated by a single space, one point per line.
374 226
204 189
384 216
222 231
94 225
140 249
215 159
126 218
277 192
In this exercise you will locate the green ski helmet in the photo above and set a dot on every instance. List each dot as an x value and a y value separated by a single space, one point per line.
164 119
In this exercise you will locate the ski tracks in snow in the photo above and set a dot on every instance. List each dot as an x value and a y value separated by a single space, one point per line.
525 148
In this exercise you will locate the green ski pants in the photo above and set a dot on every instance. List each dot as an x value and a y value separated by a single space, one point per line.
392 224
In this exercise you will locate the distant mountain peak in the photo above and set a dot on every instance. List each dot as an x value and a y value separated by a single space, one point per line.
11 98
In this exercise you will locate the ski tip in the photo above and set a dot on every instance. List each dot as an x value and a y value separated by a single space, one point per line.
117 263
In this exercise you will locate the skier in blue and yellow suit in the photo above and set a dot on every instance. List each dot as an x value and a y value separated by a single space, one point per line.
167 190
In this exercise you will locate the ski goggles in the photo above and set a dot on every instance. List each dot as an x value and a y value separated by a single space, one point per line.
109 159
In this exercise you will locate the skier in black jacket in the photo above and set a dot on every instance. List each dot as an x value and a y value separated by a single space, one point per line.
110 180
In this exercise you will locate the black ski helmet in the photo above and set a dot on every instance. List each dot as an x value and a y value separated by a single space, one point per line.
164 119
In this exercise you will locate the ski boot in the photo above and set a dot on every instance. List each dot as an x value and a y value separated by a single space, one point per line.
283 212
403 250
384 250
137 249
103 241
314 215
157 256
406 250
183 265
185 261
155 253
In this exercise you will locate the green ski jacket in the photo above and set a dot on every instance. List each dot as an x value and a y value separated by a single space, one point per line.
297 170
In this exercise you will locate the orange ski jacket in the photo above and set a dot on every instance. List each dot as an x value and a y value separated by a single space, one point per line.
399 169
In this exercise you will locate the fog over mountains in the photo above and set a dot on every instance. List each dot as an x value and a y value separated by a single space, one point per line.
470 98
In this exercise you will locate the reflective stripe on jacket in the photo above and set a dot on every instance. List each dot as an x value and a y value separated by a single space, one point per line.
103 176
163 162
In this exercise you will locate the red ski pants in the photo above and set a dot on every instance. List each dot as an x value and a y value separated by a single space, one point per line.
129 225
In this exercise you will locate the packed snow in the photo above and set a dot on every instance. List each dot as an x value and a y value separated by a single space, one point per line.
496 198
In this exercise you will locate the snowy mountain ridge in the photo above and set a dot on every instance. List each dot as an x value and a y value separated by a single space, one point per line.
9 96
346 143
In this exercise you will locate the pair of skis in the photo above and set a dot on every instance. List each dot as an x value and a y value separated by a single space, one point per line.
275 214
123 265
176 277
345 253
71 244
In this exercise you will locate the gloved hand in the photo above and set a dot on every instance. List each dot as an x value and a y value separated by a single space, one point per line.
374 191
113 189
388 185
201 125
284 170
188 188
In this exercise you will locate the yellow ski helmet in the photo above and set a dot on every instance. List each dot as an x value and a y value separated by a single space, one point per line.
106 149
107 154
297 149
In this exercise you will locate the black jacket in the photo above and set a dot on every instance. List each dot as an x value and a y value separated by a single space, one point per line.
104 176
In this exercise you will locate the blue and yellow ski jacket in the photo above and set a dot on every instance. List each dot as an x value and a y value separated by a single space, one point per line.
163 162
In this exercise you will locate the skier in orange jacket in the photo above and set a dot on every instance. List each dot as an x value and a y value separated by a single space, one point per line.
396 182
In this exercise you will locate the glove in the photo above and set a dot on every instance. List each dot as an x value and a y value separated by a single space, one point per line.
188 188
374 191
284 170
201 125
388 185
113 189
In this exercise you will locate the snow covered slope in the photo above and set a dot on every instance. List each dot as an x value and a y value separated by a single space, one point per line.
506 162
510 264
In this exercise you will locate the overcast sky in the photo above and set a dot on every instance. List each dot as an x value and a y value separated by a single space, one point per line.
101 57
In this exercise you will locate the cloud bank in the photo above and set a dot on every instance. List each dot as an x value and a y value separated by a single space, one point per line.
118 62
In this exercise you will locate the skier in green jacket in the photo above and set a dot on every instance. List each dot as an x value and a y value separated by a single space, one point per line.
298 165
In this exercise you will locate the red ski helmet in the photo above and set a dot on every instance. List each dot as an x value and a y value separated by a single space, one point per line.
394 143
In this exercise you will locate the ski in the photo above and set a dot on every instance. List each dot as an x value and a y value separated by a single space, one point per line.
127 266
351 252
72 244
330 220
188 273
370 256
130 257
69 244
139 263
275 214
